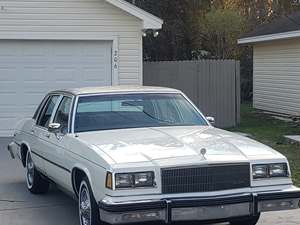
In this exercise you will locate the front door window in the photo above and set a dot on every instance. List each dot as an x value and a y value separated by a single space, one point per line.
62 114
45 116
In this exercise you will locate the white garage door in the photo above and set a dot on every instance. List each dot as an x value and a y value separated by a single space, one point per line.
29 69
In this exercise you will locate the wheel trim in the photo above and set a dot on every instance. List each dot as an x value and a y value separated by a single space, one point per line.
85 206
29 171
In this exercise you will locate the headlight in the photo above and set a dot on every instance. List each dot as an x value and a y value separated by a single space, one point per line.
278 170
134 180
270 170
144 179
124 180
260 171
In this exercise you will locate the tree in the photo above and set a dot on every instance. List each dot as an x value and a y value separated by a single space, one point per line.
180 34
195 29
183 37
221 29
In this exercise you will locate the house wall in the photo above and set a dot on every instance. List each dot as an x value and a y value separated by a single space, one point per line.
78 20
277 76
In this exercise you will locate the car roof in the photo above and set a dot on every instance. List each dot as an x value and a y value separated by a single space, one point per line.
117 89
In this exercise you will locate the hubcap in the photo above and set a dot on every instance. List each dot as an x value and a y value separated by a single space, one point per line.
29 170
84 206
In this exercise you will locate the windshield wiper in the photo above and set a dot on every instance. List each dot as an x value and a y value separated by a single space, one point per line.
149 115
155 118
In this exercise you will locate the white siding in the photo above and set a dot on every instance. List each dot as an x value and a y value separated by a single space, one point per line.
77 20
277 76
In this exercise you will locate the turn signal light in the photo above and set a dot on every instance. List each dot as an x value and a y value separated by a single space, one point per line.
109 183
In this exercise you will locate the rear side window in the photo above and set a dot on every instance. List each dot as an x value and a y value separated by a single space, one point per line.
47 111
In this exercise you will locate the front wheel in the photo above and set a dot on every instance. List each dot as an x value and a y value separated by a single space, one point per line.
88 209
252 220
36 184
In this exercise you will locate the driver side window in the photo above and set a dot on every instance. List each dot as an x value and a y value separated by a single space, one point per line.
45 116
62 114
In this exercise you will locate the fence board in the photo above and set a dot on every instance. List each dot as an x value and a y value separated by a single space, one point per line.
213 85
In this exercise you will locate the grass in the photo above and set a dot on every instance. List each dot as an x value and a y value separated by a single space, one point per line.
270 131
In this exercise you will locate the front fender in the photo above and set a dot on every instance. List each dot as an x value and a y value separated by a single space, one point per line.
87 173
96 176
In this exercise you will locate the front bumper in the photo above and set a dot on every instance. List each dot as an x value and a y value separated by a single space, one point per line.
198 209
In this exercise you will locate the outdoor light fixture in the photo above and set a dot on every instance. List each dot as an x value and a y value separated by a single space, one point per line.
144 33
155 33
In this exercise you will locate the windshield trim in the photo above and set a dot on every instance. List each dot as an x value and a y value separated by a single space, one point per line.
132 93
145 127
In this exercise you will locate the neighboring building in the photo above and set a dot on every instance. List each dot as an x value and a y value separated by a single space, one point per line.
276 65
46 45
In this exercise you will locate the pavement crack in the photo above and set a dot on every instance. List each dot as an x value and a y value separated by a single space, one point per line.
11 201
32 207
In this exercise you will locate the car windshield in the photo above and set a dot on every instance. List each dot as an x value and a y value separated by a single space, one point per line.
107 112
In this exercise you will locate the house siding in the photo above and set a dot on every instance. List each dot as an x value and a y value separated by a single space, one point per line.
277 76
77 20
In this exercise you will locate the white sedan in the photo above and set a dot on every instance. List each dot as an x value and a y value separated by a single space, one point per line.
140 154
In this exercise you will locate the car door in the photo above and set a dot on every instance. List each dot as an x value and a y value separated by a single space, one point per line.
58 165
40 131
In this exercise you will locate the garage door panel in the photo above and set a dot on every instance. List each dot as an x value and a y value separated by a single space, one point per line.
30 69
9 111
8 73
30 100
65 74
35 87
91 74
7 87
8 99
37 74
6 126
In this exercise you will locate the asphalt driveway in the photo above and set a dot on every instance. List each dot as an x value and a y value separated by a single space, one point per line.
19 207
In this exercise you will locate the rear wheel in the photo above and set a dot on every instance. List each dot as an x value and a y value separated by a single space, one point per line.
88 209
252 220
36 184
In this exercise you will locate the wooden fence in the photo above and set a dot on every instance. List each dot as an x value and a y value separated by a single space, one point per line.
213 85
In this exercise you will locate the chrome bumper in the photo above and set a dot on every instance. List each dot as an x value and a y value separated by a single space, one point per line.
220 208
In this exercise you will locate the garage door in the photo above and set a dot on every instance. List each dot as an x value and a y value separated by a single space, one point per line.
29 69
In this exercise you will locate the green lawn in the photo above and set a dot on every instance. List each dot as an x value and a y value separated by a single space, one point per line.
271 132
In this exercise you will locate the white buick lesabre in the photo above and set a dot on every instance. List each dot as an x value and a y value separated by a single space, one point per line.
140 154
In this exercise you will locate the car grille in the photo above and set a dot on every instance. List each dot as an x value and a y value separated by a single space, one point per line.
205 179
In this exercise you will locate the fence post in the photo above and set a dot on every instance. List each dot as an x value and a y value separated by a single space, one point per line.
238 92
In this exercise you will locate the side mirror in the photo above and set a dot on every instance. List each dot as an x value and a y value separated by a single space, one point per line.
54 128
211 120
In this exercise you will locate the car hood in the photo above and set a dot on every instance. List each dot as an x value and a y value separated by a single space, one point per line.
176 145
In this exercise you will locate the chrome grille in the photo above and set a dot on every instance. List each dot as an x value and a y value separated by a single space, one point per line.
205 179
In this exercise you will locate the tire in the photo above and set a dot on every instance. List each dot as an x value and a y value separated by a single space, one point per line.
246 221
87 205
36 184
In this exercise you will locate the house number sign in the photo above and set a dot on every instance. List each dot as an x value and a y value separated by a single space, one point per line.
116 59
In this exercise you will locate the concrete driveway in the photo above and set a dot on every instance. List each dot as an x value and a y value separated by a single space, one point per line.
19 207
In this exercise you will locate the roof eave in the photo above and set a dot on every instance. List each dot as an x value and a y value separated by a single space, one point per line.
269 37
149 21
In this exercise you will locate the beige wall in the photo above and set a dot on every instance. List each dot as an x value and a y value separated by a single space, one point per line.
277 76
